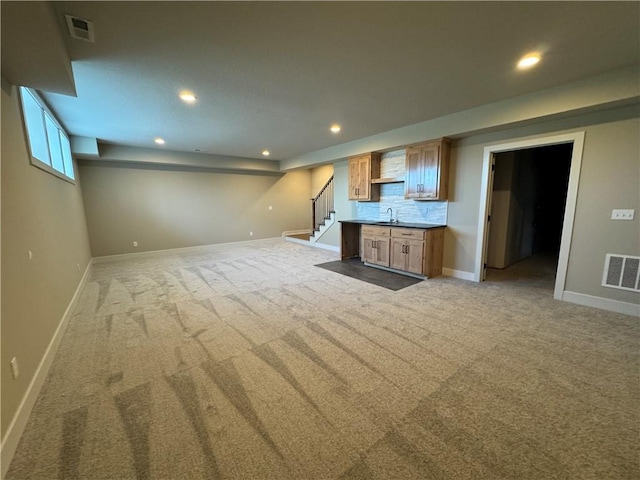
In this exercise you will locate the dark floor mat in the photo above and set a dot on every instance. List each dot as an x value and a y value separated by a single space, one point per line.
354 268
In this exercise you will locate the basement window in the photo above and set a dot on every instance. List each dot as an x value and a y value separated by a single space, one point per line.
48 142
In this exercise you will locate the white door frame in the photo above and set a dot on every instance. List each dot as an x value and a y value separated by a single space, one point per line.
577 139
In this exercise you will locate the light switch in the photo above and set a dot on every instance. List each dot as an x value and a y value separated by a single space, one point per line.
623 214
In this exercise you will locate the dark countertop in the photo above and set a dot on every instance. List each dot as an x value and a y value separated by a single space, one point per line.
423 226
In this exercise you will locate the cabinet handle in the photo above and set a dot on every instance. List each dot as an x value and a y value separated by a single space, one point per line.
406 249
373 244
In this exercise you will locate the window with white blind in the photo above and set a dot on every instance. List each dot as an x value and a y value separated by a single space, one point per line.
48 142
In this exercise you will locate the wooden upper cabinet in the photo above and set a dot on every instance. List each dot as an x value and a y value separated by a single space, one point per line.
361 170
427 170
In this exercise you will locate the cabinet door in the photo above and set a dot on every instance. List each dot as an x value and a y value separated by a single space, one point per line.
368 249
364 177
430 159
414 255
397 259
381 251
354 178
413 173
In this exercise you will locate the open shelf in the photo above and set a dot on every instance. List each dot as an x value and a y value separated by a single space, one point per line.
388 180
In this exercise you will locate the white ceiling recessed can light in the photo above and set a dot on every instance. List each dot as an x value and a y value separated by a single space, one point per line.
528 61
159 141
266 153
335 128
187 96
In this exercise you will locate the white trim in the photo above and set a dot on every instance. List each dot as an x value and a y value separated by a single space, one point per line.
325 246
20 419
175 251
461 274
577 139
299 241
617 306
295 232
323 228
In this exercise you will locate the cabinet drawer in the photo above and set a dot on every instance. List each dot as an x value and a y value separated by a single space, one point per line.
411 233
377 231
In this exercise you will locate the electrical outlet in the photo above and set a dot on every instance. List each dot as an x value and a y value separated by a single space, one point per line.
270 207
135 244
14 367
30 255
623 214
251 234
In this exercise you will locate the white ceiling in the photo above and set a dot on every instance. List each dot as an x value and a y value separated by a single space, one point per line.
276 75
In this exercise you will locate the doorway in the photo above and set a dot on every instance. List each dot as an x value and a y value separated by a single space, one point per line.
527 209
539 236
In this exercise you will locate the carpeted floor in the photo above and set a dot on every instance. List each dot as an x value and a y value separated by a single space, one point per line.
248 362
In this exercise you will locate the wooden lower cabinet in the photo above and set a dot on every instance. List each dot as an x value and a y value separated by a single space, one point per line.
375 245
433 252
411 250
407 255
407 249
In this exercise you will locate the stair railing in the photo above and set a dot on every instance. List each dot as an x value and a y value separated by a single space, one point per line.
322 205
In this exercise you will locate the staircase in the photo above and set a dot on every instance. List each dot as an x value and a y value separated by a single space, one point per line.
322 216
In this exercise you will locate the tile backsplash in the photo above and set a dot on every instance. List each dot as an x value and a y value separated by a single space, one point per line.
392 196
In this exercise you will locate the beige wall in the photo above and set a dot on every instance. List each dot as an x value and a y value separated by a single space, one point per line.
163 208
319 177
609 179
42 214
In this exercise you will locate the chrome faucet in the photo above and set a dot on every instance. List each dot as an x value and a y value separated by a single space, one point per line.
390 210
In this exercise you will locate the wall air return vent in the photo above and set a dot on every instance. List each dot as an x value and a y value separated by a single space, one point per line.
80 28
622 271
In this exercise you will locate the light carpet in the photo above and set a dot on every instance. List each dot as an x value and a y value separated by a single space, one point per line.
247 362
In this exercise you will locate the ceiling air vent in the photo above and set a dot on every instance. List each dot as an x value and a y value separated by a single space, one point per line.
80 28
622 271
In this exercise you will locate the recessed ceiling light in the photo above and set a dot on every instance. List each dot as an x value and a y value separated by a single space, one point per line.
266 153
335 128
159 141
187 96
528 61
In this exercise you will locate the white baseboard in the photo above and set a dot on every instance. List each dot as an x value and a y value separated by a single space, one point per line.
20 419
617 306
176 251
461 274
325 246
295 232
